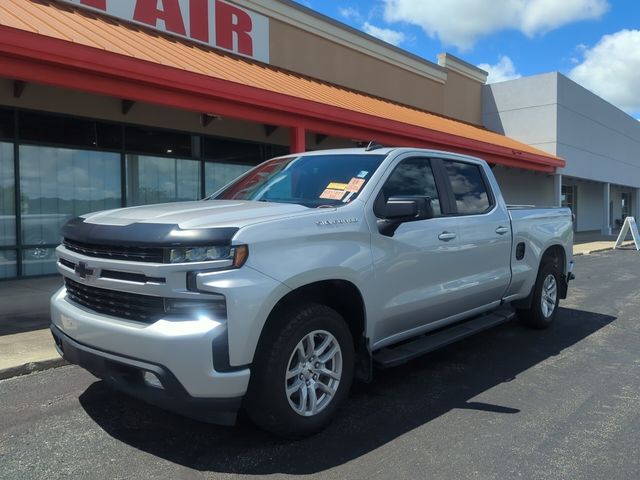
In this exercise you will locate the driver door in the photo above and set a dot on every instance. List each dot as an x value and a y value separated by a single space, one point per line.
415 284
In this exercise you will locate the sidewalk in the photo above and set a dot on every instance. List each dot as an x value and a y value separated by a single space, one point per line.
25 341
26 344
585 243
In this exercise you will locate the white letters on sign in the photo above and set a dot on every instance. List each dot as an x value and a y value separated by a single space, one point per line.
213 22
629 224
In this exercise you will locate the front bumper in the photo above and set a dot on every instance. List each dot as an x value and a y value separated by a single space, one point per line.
185 348
127 375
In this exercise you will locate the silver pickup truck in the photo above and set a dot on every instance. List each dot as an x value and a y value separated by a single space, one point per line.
307 271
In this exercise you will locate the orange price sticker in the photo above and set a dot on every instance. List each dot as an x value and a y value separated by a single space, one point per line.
330 194
355 185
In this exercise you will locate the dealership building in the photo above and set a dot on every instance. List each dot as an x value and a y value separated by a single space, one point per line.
599 143
105 103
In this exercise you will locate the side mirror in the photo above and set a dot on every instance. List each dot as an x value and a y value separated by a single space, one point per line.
398 210
407 209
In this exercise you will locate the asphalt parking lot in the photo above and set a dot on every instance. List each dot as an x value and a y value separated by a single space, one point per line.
509 403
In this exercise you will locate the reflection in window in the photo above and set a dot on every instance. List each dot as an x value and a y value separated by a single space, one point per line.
7 196
161 180
8 266
413 177
39 261
468 187
57 184
217 175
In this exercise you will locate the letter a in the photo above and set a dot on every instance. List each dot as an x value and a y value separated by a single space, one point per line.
147 11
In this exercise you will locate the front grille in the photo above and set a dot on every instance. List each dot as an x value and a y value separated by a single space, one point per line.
132 306
114 252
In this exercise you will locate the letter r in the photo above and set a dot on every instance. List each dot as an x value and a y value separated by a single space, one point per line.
231 21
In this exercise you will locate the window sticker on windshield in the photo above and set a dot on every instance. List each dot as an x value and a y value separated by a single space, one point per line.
355 185
337 186
331 194
362 174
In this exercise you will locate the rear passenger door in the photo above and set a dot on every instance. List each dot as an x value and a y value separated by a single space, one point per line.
483 262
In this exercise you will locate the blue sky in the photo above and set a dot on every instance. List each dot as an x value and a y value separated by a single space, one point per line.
595 42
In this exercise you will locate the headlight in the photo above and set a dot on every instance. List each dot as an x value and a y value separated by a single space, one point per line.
236 255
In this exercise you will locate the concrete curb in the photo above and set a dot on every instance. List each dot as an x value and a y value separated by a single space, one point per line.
31 367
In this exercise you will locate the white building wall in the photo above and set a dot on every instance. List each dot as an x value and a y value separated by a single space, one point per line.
599 142
524 109
520 187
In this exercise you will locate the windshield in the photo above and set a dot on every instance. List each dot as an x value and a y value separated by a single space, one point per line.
312 181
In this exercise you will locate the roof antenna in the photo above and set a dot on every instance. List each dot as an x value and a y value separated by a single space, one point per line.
373 145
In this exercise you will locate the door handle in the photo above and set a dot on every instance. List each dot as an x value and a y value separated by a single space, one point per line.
446 236
502 230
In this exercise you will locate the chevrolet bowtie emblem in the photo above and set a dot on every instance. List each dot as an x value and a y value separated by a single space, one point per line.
82 271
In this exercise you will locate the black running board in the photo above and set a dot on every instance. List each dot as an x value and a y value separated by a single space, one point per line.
393 356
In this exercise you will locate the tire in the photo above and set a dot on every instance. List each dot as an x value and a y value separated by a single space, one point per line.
284 359
544 304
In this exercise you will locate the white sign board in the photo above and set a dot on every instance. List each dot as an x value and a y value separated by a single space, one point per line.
629 224
211 22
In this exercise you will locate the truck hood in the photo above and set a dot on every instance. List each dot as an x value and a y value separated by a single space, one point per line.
200 214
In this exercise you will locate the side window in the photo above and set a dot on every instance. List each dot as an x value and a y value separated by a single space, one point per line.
413 177
468 187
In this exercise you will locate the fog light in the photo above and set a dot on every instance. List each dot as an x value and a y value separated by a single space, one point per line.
152 380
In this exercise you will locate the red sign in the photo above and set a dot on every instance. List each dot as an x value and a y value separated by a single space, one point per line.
213 22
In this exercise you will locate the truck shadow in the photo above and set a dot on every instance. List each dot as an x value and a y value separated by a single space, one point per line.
398 401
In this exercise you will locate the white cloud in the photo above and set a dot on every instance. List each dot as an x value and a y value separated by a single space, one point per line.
393 37
611 69
502 71
462 22
350 13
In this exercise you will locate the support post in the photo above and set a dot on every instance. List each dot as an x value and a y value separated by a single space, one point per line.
635 207
606 200
297 140
557 190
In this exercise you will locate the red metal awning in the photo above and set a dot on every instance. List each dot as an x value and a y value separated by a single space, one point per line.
47 42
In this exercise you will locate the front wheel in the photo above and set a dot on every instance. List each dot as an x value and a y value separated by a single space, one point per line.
303 369
544 304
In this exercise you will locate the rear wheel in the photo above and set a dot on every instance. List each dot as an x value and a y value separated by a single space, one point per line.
544 304
303 369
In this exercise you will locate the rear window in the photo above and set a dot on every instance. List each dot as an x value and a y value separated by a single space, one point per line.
470 191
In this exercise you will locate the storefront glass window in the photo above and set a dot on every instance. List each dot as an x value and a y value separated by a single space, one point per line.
6 124
160 180
8 267
222 150
163 142
226 160
626 205
7 196
217 175
57 184
68 131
